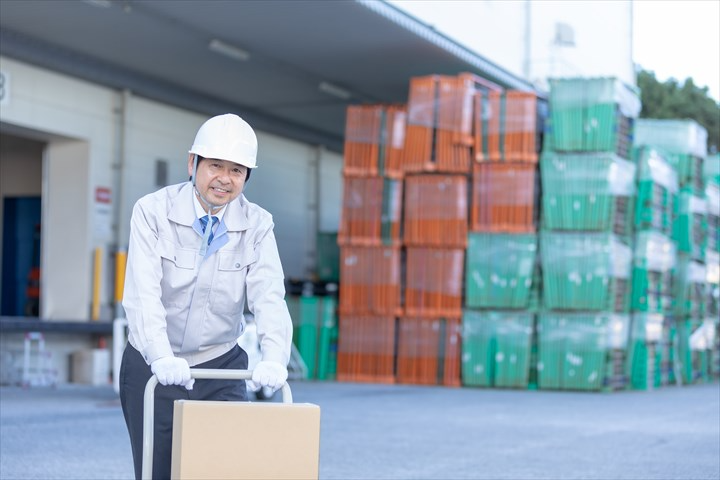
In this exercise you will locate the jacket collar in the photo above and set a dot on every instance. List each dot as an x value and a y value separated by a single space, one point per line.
183 212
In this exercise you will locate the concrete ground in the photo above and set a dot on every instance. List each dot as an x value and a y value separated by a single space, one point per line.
407 432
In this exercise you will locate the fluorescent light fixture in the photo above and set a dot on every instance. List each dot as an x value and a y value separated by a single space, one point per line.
99 3
230 51
334 90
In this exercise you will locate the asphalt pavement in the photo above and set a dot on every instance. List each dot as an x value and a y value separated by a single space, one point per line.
373 431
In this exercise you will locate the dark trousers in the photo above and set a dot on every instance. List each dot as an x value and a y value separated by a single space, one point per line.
134 374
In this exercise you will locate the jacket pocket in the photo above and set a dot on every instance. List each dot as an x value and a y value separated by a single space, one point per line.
178 269
228 292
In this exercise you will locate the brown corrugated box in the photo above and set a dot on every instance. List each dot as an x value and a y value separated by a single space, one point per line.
245 440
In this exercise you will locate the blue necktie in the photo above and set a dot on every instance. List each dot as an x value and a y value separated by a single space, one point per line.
207 232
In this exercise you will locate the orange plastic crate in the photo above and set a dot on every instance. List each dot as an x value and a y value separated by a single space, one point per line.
439 129
374 139
371 211
370 281
505 126
434 282
503 197
435 210
366 349
428 351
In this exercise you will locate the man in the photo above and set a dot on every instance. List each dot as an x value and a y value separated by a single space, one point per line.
198 253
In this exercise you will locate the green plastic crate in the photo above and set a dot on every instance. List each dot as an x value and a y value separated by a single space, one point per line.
496 348
315 333
582 351
328 257
657 190
673 136
654 263
711 168
690 227
690 285
644 350
590 192
712 199
591 114
499 271
585 271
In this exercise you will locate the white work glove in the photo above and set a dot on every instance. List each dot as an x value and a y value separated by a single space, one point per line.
268 374
172 371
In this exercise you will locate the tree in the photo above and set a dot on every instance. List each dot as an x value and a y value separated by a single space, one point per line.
668 100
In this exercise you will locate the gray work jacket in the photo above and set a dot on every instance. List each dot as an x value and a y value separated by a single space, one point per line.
180 303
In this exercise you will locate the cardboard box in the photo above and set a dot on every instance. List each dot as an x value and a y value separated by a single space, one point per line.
245 440
90 366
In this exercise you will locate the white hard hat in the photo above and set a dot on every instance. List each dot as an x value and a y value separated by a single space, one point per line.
227 137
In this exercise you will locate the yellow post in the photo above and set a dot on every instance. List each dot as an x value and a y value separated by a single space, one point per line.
120 263
97 272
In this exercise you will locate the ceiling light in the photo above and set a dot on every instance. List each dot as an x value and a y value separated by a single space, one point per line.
228 50
99 3
334 90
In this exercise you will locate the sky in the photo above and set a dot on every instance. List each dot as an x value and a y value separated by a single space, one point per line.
673 38
679 39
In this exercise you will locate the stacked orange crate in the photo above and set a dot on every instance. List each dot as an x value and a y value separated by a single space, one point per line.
374 140
437 160
503 178
439 125
429 351
369 239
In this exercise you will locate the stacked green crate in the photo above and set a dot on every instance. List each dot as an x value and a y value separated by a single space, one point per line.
496 348
327 264
685 140
652 275
499 271
711 168
712 257
657 189
712 308
690 227
587 192
315 333
645 350
582 351
655 256
712 200
585 271
690 296
591 115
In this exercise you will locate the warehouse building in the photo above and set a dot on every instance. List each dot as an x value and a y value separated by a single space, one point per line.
101 99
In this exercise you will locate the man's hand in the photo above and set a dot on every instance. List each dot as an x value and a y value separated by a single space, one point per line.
173 371
268 374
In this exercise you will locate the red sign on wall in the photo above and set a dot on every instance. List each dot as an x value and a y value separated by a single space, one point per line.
102 195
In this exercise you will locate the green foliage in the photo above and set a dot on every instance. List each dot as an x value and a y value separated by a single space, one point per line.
670 100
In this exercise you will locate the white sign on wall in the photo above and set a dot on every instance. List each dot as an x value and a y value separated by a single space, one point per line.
4 88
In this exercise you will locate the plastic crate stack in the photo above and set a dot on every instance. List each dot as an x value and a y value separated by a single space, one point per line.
685 141
370 243
501 275
588 184
654 262
437 161
315 333
712 255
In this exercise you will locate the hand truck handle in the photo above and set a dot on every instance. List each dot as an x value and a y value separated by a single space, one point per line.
149 407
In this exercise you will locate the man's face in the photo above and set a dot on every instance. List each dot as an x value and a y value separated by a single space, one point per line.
218 181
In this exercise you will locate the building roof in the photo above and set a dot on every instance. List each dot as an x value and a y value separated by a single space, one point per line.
264 60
